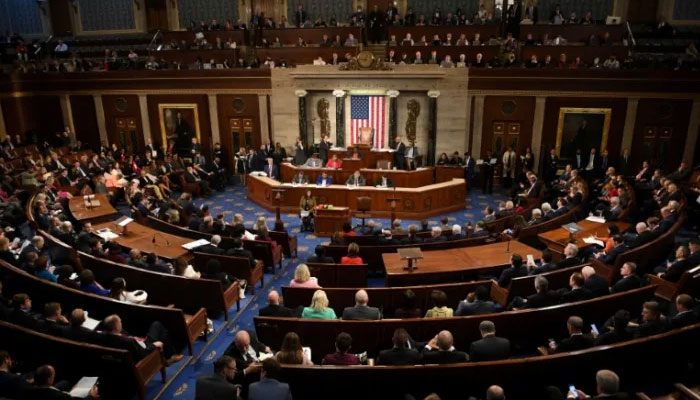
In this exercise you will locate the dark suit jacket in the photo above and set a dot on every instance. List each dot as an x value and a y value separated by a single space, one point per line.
396 356
489 348
324 259
361 313
626 283
541 299
214 387
649 328
444 357
46 393
576 342
570 296
568 262
683 319
510 273
275 310
269 389
476 307
241 361
242 253
323 148
609 258
389 182
211 249
674 272
125 343
275 171
640 239
597 285
80 334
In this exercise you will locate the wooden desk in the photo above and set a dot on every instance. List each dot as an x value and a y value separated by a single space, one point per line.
142 237
429 31
587 53
446 174
449 265
558 238
416 203
470 52
369 158
330 220
572 33
238 36
408 179
104 212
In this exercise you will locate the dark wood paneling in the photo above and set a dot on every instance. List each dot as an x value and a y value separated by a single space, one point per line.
310 35
642 11
226 112
662 113
202 110
572 33
617 119
587 54
85 120
131 109
41 114
523 114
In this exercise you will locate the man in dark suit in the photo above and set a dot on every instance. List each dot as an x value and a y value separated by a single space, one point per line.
477 302
400 354
220 384
361 311
238 251
686 314
576 340
192 176
516 269
245 349
642 236
157 337
299 16
212 247
595 283
75 330
577 291
624 164
652 323
619 248
570 253
629 281
551 164
269 387
21 313
356 179
490 347
668 218
399 154
544 297
44 388
320 256
384 181
673 270
608 387
271 170
273 308
323 149
12 385
440 350
546 264
681 174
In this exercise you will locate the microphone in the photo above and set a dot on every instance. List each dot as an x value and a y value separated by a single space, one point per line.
167 242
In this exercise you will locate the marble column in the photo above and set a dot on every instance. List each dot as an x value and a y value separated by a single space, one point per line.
339 117
67 113
101 123
478 106
303 128
692 138
630 119
214 119
537 125
432 134
264 126
393 114
146 120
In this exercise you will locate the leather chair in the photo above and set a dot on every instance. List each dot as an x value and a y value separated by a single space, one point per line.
383 164
365 135
364 205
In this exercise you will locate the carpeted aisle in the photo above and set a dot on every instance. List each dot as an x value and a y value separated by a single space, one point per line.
182 376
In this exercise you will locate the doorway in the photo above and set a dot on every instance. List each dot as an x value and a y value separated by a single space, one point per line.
60 17
156 15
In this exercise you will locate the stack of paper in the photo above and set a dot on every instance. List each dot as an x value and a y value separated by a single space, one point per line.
593 218
195 244
592 240
83 387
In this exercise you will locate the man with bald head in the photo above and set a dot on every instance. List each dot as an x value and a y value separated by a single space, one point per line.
495 392
245 350
273 308
441 350
361 311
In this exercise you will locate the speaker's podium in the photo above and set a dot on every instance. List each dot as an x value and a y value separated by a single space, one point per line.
330 220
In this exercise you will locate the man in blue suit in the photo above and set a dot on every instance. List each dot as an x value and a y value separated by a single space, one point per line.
271 170
269 388
469 166
324 179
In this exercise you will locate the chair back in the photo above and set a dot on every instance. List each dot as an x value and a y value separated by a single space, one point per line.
383 164
364 203
366 135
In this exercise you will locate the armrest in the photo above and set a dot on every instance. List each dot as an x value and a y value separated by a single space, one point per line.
499 294
543 350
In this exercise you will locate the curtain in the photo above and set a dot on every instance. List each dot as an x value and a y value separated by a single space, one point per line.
686 10
20 16
107 14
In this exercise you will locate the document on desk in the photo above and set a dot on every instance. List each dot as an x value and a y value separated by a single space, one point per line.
107 234
592 240
83 387
593 218
195 244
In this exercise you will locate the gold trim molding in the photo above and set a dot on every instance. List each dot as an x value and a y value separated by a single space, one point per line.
137 92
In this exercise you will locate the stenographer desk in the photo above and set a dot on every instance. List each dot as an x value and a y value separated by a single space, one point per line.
414 203
401 178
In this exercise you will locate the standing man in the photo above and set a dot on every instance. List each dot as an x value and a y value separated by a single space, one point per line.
376 24
488 165
299 16
550 166
508 167
399 153
391 11
220 384
410 156
625 164
324 147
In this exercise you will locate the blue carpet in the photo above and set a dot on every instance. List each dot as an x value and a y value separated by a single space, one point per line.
182 376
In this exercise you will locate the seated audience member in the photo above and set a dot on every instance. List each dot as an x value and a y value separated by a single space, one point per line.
440 309
157 337
41 270
320 256
479 230
490 347
608 257
673 270
303 278
546 264
353 256
118 292
436 235
408 308
246 350
44 388
570 257
219 385
343 344
154 264
334 162
347 230
441 350
212 270
686 314
21 313
619 331
12 385
88 283
516 269
576 291
629 281
607 386
355 180
642 236
576 340
273 308
319 307
182 268
291 351
361 311
76 331
269 387
652 322
596 284
315 162
238 251
543 296
477 302
400 354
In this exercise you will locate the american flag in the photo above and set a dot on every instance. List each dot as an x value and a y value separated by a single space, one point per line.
367 111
